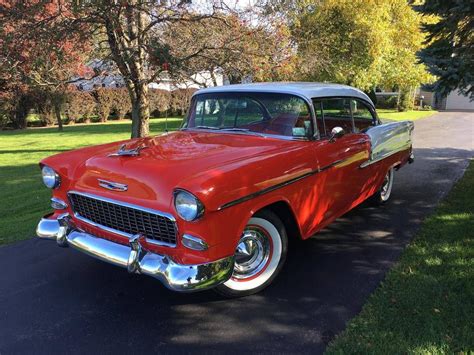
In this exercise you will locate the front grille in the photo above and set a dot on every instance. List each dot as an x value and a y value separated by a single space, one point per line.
124 219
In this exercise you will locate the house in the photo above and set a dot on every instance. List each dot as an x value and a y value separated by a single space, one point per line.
112 79
453 102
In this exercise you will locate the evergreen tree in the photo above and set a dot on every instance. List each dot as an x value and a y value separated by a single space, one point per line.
449 51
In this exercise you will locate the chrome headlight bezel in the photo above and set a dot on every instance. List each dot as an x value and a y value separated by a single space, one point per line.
187 206
50 177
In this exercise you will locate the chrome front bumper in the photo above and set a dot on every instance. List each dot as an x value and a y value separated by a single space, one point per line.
176 277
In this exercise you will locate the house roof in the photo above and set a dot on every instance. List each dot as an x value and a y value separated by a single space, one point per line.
303 89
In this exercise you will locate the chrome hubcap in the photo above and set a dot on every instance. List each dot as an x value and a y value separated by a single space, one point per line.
252 253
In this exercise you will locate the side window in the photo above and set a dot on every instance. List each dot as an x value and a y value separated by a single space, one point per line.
363 117
335 113
318 111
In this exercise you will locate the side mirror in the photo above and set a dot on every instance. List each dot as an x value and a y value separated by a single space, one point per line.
336 132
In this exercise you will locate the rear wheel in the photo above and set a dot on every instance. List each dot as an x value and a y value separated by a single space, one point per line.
259 256
385 191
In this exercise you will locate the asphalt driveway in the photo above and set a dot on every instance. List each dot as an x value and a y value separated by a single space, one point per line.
56 300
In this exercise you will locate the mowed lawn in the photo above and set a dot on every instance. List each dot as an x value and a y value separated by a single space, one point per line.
394 115
426 303
23 197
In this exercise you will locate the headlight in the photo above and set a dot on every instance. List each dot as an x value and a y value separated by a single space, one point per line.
187 205
50 177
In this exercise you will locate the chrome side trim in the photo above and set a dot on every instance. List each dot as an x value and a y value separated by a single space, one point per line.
382 157
278 186
177 277
388 139
124 234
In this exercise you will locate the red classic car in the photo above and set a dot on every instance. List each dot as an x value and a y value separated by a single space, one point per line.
214 204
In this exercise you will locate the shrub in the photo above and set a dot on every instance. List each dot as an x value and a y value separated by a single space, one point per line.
80 105
160 101
121 103
387 101
406 101
15 103
104 98
43 103
180 99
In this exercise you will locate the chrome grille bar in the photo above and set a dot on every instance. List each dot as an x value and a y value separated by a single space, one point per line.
124 218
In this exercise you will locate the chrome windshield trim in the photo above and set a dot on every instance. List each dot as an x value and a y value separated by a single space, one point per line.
119 203
250 133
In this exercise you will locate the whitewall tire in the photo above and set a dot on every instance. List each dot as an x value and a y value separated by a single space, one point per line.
383 194
259 256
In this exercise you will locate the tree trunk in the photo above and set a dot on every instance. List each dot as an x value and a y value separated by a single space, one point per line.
57 111
140 111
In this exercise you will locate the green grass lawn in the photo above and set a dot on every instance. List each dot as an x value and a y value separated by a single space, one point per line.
394 115
24 198
426 303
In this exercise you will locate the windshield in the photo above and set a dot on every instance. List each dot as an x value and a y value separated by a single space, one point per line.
266 113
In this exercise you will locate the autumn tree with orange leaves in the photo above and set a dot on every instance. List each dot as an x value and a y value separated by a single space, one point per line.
35 58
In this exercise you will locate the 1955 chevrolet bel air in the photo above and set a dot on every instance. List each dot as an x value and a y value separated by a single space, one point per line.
214 204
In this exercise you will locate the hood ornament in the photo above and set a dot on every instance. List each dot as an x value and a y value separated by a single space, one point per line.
114 186
124 152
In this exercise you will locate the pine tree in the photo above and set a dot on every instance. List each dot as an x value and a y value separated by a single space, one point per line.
449 51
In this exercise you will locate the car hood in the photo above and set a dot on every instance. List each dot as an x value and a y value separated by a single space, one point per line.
211 165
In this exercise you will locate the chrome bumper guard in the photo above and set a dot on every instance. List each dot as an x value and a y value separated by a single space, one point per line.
176 277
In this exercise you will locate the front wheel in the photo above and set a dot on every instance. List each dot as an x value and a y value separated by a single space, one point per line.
385 191
259 256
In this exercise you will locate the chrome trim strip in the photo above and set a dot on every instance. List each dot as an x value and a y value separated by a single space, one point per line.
202 245
278 186
58 204
114 186
176 277
382 157
124 234
256 134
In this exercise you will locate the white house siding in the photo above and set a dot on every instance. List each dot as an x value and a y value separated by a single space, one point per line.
456 101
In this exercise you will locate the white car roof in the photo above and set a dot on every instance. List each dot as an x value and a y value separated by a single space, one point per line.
304 89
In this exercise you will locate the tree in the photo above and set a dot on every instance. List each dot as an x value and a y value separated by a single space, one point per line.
234 48
35 56
126 28
449 54
359 43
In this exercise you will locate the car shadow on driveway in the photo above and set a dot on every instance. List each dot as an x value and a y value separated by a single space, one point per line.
57 300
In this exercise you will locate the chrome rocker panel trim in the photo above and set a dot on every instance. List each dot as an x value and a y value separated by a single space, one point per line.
176 277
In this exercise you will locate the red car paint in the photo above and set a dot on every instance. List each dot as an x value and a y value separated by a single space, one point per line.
326 181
